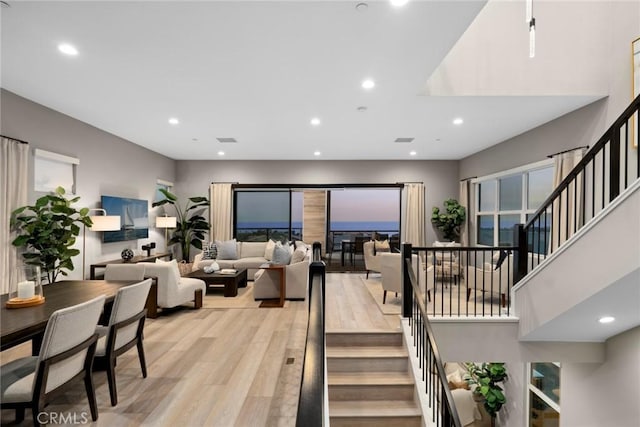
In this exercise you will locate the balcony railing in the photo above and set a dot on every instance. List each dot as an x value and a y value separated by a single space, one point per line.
263 234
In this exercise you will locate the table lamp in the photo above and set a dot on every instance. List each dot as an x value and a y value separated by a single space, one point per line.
166 222
102 222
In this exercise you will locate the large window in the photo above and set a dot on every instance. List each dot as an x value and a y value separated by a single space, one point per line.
505 200
264 215
363 212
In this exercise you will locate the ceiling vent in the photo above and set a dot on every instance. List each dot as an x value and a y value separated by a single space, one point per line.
227 140
404 140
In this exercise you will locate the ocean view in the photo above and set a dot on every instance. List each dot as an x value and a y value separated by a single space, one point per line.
382 226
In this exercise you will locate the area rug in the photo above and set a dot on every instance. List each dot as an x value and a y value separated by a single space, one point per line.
393 305
215 298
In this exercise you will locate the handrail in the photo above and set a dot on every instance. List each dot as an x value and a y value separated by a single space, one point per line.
437 387
311 402
605 170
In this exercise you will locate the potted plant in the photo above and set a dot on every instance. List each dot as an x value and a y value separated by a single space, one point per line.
449 222
486 377
48 230
191 226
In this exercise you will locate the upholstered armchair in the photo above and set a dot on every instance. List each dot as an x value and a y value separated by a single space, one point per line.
371 260
174 290
493 278
266 283
391 271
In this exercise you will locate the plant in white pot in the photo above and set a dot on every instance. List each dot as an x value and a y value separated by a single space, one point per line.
485 377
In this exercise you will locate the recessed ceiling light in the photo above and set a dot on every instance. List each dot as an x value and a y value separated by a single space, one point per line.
362 7
606 319
316 153
315 121
68 49
412 153
220 153
399 3
458 121
368 84
362 108
174 121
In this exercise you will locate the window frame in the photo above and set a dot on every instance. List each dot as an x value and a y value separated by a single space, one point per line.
522 171
539 393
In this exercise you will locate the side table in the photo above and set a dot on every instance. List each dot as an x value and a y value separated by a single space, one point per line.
283 286
134 260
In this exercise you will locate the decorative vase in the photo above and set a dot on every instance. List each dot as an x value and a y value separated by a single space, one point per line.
25 287
127 255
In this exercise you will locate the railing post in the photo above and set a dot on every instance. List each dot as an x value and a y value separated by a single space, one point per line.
614 165
520 257
407 289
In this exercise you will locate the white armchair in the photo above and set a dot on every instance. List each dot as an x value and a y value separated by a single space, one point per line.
266 283
391 271
495 280
174 290
371 260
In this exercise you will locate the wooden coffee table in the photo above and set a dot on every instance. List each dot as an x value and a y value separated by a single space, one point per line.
231 282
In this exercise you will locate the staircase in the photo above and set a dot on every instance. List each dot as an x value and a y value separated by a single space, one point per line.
369 380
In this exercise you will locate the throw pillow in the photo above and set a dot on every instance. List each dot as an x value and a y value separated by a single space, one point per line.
382 246
209 251
299 254
281 254
173 266
227 249
268 250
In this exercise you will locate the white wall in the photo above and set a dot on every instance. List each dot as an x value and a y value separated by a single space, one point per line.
440 177
108 166
607 394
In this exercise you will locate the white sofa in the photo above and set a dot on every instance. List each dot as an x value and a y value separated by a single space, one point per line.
267 282
250 255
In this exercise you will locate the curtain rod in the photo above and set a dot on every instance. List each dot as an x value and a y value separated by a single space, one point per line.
316 186
468 178
15 139
566 151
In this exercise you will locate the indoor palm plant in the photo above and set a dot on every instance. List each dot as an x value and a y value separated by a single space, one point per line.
486 377
449 222
48 230
191 226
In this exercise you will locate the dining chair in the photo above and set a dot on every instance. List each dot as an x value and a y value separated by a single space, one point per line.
124 331
66 355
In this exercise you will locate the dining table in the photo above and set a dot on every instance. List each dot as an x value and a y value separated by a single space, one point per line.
19 325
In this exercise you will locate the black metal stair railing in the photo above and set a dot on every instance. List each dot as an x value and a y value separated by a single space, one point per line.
436 386
607 169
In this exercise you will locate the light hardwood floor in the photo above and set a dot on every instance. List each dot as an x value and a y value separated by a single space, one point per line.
219 367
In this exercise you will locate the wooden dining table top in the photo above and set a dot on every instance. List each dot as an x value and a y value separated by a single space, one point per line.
18 325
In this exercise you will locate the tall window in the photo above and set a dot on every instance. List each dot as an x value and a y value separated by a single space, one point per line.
264 215
505 200
544 394
358 211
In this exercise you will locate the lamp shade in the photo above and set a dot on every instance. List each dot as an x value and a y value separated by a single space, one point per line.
166 222
105 223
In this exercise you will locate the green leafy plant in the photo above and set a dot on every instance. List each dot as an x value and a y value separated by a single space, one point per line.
486 377
48 230
191 226
449 222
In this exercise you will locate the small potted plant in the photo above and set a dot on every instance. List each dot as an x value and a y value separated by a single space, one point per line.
485 377
449 222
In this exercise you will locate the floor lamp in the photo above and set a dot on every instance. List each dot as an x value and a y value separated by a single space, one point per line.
166 222
102 222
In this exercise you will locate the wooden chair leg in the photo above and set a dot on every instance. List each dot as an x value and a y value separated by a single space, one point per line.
19 414
504 300
468 293
111 378
143 363
367 274
91 394
429 295
35 411
198 299
384 297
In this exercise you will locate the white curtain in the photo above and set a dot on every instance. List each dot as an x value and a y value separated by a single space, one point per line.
221 212
567 215
464 201
414 225
14 166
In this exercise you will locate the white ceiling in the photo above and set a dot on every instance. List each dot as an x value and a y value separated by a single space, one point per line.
258 72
